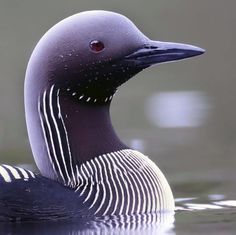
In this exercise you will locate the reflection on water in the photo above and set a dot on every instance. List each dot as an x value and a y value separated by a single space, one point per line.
207 215
199 216
192 204
158 223
193 216
227 203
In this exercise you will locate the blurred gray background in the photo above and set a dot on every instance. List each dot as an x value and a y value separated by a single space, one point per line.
182 115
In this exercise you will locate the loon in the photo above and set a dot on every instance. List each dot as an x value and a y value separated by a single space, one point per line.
85 169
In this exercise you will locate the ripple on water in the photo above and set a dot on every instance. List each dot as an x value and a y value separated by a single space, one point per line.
214 215
193 204
193 216
153 223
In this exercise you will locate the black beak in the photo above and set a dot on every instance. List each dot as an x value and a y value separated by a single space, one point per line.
160 52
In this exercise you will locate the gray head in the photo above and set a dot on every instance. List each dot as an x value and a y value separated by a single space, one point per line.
90 54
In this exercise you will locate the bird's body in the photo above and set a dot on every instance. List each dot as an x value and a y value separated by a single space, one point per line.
119 183
86 169
35 198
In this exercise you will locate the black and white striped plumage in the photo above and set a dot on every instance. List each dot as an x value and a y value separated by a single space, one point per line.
25 196
123 182
119 183
86 170
56 137
9 174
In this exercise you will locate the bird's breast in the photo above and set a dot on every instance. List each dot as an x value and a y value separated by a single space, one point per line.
123 182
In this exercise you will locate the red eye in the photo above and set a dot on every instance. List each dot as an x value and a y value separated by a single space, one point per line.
96 46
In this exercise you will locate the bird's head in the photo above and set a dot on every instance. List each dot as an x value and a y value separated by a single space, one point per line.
90 54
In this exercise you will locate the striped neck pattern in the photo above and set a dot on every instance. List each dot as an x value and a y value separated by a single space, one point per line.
73 133
56 137
114 183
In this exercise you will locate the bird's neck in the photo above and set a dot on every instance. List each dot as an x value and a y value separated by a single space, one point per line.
89 128
72 133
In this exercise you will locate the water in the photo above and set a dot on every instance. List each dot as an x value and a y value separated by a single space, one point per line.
197 212
182 115
192 216
206 217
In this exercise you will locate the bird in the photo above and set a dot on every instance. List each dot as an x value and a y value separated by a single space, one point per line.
85 169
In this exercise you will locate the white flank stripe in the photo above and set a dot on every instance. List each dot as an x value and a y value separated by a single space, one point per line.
91 184
115 168
155 193
103 186
152 180
152 169
23 172
86 180
80 180
113 183
147 199
109 186
5 175
131 185
158 180
50 134
58 134
117 159
86 169
31 173
90 168
157 174
124 182
142 184
147 185
121 188
129 164
13 171
96 180
66 134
